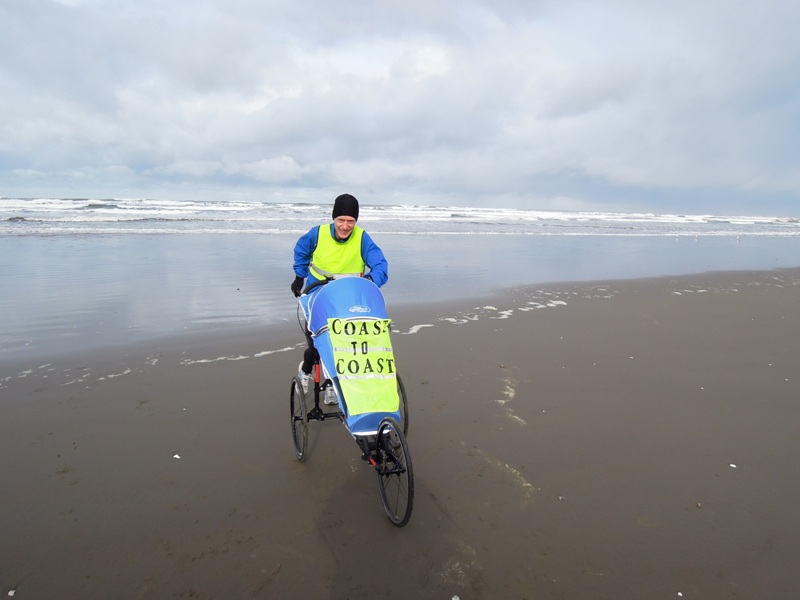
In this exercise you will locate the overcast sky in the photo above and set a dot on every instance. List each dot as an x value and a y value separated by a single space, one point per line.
677 106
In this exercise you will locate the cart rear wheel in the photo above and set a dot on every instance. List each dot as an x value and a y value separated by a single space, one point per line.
297 402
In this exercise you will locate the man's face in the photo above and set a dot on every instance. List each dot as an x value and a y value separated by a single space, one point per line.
344 227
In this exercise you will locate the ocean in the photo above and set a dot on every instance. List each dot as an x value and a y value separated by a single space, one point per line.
84 273
31 216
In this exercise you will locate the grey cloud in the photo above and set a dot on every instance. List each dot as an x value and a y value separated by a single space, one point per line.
541 104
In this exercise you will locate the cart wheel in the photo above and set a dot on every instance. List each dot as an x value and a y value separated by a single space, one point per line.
401 391
394 472
297 400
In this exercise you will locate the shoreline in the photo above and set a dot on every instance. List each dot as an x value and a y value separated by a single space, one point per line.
67 293
628 438
288 335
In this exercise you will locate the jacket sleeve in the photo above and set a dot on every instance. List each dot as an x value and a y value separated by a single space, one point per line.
304 250
375 260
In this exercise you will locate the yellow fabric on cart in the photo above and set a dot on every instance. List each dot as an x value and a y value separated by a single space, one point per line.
362 352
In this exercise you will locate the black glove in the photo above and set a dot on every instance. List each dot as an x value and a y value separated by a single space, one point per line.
368 277
297 286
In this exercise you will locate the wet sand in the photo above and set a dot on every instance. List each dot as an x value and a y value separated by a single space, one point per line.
629 439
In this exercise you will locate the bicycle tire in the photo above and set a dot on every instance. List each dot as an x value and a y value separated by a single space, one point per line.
395 474
401 391
297 405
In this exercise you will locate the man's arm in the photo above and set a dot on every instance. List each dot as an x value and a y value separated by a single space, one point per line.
375 260
303 251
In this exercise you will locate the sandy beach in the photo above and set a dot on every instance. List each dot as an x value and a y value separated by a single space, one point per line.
621 439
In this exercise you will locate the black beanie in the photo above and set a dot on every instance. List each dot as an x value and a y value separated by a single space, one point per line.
345 206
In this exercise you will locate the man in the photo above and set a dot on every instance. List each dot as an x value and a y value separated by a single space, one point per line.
340 249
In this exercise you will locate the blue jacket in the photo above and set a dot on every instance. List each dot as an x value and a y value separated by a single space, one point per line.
370 252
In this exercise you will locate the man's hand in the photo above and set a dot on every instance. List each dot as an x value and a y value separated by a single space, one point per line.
297 286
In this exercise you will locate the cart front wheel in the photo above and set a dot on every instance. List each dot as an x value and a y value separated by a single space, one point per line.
394 472
401 391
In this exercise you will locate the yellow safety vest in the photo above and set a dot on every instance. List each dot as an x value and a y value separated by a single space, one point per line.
332 258
362 351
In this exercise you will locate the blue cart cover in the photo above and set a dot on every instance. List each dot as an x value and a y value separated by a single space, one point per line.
351 330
